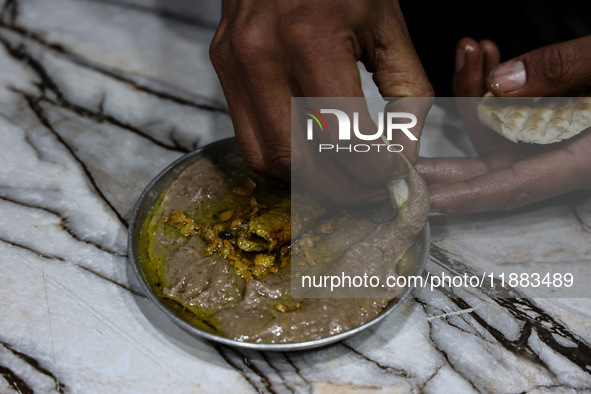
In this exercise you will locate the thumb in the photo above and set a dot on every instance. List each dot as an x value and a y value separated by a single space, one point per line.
550 70
391 57
398 72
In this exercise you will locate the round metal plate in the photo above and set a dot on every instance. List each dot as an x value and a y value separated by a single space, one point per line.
221 149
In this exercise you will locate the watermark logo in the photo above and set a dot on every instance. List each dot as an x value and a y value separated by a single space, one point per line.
387 125
317 117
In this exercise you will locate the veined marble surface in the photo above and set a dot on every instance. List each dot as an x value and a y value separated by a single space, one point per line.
98 96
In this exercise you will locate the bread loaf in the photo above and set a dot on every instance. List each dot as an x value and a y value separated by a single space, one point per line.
536 120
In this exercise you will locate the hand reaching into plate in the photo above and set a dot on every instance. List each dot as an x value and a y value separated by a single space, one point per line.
266 54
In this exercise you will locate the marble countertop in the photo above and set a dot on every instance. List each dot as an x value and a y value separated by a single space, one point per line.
96 98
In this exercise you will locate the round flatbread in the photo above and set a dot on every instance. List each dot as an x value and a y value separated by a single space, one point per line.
536 120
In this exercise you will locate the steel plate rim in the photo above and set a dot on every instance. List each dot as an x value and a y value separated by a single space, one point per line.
186 159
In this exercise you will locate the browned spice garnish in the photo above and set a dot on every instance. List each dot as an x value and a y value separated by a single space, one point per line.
183 223
326 227
227 215
253 237
247 189
303 248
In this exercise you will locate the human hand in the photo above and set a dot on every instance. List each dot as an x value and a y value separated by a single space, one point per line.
510 175
264 55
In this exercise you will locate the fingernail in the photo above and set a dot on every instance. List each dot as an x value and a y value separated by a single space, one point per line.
460 58
508 77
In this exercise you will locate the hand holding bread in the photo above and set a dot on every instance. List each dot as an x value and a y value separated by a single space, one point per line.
508 175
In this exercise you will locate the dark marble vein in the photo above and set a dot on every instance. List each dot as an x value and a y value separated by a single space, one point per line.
440 257
222 351
582 213
462 329
15 381
277 371
536 320
40 114
89 270
54 257
156 11
27 34
38 153
121 285
297 372
46 84
59 386
545 326
31 206
63 224
213 107
177 143
442 352
430 378
32 250
101 117
264 378
519 346
9 11
385 368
